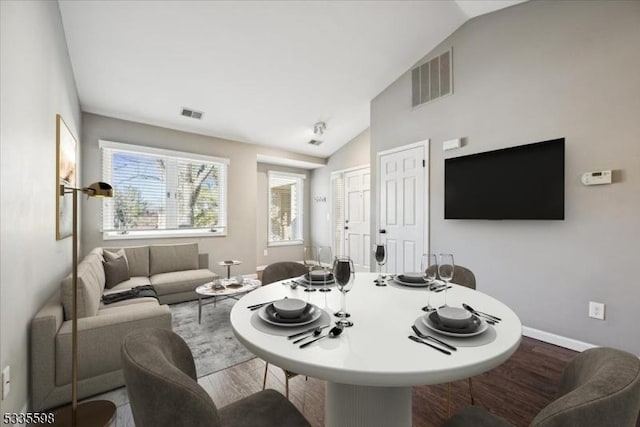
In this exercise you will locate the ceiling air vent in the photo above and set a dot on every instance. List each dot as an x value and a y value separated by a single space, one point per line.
191 113
432 80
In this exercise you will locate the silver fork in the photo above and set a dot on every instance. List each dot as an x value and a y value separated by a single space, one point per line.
434 339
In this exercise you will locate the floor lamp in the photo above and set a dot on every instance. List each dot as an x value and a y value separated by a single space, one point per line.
98 412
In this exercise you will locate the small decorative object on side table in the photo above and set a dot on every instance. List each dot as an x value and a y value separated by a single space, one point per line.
228 264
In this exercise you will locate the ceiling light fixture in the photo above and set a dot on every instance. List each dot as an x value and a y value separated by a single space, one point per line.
318 130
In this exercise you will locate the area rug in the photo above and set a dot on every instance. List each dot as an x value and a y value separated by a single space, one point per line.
212 343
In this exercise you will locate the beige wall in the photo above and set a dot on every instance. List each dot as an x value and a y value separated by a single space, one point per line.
278 253
243 207
532 72
36 84
355 153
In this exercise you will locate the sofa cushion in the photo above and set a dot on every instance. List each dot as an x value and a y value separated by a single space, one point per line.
110 255
138 258
180 281
171 258
128 284
115 271
90 285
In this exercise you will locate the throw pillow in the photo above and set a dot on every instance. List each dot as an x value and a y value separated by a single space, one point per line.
115 271
111 254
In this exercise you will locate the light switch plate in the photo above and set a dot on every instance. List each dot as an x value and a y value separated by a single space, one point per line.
6 382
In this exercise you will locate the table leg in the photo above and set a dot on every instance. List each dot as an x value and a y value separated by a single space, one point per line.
228 271
353 406
199 309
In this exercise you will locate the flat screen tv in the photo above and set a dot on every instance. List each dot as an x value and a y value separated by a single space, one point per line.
523 182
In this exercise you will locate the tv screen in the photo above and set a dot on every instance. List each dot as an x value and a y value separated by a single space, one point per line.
524 182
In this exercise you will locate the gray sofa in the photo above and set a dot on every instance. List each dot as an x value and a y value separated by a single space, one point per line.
174 271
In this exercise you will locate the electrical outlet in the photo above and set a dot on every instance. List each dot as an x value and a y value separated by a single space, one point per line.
596 310
265 252
6 382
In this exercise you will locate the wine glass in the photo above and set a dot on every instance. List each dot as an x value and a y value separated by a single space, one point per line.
446 266
325 259
429 269
310 260
380 253
344 275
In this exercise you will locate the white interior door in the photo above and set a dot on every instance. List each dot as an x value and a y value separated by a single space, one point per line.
357 195
403 206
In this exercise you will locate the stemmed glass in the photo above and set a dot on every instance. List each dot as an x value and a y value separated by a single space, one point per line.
429 269
310 260
446 266
344 275
380 253
324 260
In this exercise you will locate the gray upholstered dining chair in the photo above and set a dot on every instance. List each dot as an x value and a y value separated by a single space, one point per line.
464 277
599 387
161 381
274 273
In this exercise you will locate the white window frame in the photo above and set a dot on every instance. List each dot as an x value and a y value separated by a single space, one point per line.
299 207
178 155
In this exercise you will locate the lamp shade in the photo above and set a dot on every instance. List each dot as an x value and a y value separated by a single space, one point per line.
99 189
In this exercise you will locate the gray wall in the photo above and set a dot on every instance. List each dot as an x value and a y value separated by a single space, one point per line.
36 84
243 207
536 71
353 154
278 253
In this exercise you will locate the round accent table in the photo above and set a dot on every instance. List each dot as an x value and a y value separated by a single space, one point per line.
228 264
371 367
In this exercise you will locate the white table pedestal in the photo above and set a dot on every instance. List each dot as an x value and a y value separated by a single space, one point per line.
352 406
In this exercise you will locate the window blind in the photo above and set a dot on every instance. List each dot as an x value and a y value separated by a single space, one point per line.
162 191
285 207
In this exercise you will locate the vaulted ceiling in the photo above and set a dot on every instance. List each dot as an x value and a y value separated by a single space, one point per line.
261 71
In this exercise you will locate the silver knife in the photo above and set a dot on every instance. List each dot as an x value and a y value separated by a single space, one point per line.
306 331
416 339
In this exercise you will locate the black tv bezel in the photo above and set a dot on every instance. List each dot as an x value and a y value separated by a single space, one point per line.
522 147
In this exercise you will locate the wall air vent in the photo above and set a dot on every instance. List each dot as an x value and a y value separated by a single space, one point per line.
191 113
315 142
432 80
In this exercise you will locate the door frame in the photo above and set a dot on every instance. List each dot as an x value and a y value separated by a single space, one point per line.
332 198
425 144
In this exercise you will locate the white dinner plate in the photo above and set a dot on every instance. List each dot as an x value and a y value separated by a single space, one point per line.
427 322
314 316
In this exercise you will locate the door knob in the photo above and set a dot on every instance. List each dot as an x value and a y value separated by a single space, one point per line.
382 231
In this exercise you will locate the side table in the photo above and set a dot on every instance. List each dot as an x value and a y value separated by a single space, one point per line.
228 264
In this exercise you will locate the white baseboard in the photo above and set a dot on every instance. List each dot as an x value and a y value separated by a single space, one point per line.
558 340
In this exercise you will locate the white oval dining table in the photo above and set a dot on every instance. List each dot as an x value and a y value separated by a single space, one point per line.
371 367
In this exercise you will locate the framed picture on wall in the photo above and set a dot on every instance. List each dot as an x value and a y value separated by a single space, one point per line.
66 149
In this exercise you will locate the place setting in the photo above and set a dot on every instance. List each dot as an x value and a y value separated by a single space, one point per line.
319 277
286 316
454 326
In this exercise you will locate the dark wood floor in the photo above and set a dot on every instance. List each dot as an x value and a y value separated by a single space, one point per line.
517 390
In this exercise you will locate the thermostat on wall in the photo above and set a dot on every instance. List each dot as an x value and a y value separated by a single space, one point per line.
596 178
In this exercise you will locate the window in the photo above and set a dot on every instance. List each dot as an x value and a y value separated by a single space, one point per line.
162 193
285 208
